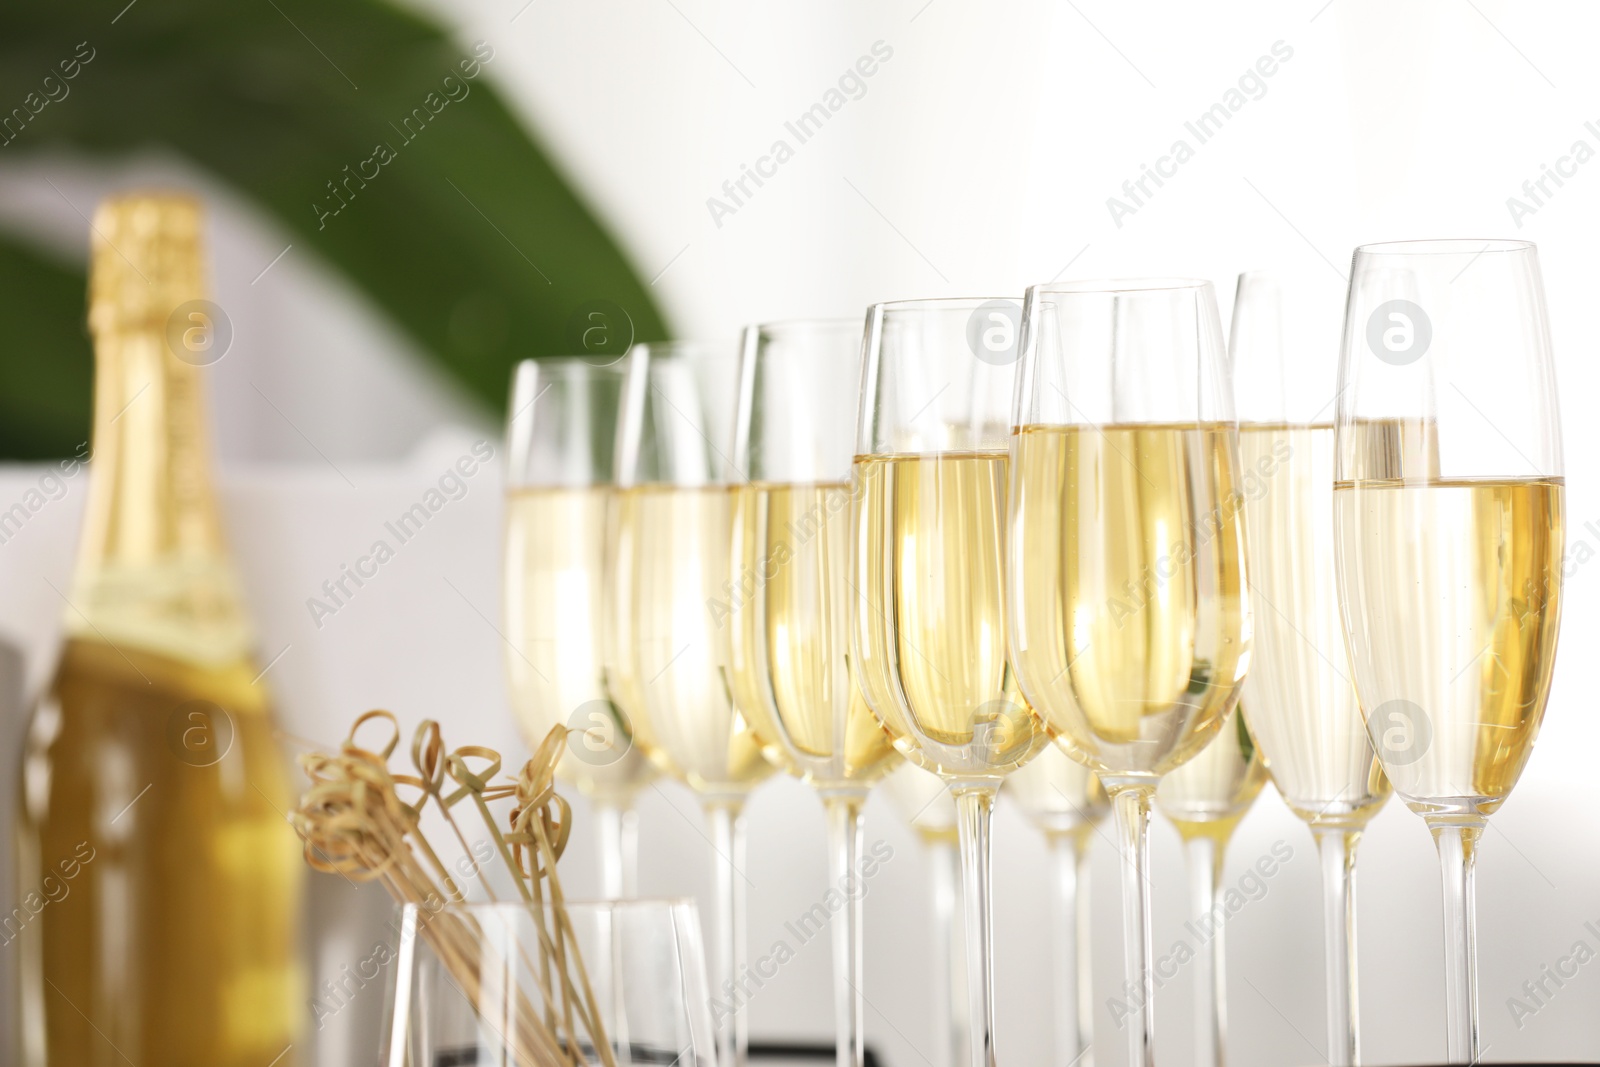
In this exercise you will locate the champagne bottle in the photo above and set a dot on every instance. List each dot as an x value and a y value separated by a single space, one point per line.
152 834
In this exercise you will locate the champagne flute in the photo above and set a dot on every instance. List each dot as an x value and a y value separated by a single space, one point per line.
925 804
788 609
1298 700
929 515
1205 799
559 505
1130 621
1448 505
1063 800
674 535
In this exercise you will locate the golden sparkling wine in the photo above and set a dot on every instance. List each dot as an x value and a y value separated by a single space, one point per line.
788 619
1207 796
558 543
672 637
1133 628
153 790
1451 605
930 614
1300 698
1058 794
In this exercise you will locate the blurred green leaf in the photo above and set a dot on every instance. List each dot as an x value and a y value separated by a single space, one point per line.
45 375
466 235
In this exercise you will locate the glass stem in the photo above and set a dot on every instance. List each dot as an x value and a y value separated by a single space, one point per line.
730 936
1457 842
1210 983
845 838
1085 957
619 850
1131 804
974 808
949 972
1336 848
1069 991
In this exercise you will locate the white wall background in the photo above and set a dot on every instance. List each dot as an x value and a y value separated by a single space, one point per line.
979 159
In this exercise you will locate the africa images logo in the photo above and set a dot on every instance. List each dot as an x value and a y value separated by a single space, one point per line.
1399 332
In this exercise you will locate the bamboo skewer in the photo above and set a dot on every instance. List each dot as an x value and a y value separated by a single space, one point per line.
355 823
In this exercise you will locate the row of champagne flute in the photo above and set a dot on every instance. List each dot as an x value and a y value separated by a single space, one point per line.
1033 531
607 765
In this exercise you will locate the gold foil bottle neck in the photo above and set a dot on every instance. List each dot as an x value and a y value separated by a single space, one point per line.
144 260
153 569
